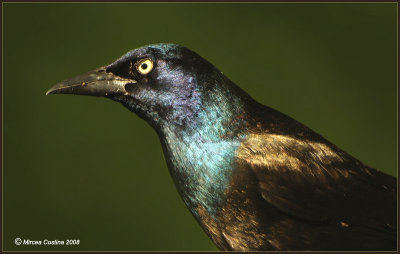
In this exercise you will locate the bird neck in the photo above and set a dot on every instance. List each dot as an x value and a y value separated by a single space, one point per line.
201 155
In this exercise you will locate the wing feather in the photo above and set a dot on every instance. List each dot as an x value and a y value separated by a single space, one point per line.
316 181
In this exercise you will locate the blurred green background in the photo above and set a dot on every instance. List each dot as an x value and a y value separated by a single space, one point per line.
78 167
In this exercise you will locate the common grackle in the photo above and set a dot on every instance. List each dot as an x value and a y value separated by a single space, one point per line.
254 178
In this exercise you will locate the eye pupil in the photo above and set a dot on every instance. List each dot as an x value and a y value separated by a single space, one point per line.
144 66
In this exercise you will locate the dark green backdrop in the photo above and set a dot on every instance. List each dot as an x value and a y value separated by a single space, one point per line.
86 168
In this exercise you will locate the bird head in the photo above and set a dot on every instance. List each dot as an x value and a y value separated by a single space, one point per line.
162 83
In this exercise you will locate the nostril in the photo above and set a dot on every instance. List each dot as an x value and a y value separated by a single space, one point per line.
130 87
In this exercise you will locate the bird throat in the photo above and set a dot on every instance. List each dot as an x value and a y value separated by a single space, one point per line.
201 156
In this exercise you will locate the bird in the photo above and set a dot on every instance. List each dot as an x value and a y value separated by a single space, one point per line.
253 177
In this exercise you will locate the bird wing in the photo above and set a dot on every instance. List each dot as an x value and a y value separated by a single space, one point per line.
316 181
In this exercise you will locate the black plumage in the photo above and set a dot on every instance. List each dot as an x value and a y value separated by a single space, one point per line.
254 178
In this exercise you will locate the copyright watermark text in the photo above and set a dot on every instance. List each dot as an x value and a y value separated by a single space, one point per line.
19 241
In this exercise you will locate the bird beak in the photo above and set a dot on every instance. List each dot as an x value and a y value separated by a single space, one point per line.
98 82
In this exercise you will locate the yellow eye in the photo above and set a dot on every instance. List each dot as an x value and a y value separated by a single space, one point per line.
144 66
